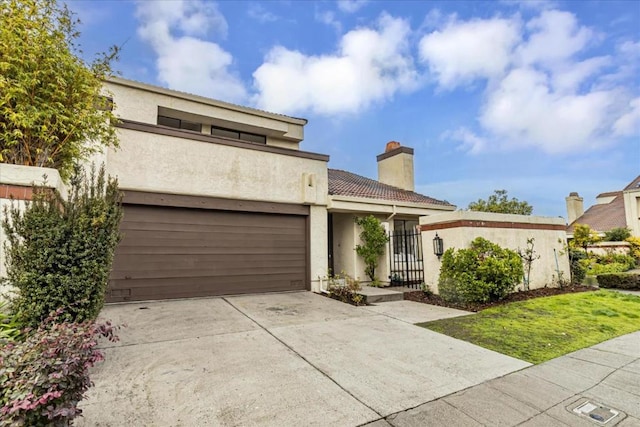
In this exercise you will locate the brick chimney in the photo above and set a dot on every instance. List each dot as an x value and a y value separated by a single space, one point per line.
575 207
395 166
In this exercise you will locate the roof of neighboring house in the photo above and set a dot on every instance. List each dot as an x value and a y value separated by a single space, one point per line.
343 183
633 185
603 217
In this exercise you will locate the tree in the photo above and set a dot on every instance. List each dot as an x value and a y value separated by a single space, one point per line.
499 203
583 236
52 112
374 240
528 255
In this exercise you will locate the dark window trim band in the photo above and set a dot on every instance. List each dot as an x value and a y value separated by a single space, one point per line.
178 133
136 197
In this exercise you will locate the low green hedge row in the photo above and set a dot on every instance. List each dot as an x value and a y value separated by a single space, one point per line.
619 280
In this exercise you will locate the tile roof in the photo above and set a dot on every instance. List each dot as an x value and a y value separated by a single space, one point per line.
603 217
343 183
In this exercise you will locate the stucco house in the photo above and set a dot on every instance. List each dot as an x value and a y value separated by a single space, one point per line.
220 199
615 209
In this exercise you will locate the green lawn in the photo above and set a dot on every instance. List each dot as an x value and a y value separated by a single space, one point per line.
543 328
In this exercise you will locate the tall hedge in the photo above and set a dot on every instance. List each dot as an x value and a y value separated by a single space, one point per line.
59 252
483 272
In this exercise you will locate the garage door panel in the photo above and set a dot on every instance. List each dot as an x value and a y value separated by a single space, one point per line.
203 217
179 244
219 268
199 287
129 226
249 260
179 253
285 249
213 237
215 274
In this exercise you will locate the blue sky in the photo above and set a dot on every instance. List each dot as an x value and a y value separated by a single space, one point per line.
539 98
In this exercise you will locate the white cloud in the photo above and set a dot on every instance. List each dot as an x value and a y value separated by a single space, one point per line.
629 123
351 6
370 65
328 17
469 141
259 13
555 36
464 51
569 77
542 89
525 111
186 62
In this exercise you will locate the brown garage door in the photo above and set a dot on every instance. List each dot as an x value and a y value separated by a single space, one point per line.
177 252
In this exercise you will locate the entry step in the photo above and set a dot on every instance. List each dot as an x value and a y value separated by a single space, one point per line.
374 295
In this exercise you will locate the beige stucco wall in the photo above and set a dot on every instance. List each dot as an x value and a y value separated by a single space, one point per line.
159 163
397 170
605 248
140 102
548 243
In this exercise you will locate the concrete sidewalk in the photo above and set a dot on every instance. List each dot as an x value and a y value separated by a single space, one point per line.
606 374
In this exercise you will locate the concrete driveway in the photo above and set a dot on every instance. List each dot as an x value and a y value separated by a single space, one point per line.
278 360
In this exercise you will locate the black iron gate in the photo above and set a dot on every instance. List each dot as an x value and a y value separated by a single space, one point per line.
405 252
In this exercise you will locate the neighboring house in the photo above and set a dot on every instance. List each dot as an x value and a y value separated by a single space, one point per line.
219 199
612 210
392 200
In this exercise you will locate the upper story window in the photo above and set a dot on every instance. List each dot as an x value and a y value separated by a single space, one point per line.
179 124
244 136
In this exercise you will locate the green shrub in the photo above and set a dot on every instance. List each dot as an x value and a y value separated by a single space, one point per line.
484 272
578 271
634 251
619 280
45 376
59 252
609 263
619 234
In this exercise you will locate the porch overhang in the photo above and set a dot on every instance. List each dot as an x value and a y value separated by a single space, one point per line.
386 207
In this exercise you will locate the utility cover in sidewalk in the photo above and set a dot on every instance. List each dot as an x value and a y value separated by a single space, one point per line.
594 411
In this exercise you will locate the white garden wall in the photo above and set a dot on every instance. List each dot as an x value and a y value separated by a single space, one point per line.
458 229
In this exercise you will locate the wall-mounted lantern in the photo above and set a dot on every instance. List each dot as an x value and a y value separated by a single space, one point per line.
438 246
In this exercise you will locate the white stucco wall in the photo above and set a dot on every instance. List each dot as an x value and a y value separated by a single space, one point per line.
549 244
